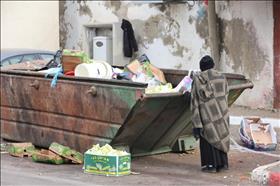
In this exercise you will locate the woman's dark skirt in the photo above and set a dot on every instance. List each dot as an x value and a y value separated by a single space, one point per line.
210 156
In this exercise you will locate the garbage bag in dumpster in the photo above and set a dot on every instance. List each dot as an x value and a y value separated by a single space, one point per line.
80 112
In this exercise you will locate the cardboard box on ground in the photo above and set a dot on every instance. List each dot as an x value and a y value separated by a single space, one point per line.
256 134
107 161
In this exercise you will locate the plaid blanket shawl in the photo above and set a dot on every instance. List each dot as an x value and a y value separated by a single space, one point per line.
209 106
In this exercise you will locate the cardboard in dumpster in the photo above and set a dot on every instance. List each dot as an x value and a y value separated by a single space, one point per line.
72 58
70 62
67 153
143 65
107 161
158 73
21 149
47 156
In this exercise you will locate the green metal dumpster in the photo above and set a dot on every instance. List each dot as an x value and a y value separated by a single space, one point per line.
80 112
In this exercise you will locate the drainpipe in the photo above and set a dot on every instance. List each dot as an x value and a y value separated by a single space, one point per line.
213 34
276 16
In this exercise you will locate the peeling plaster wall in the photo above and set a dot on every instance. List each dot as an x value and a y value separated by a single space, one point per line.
167 33
175 36
247 47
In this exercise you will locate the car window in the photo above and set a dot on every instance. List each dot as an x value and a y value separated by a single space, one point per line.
29 57
47 57
5 62
13 60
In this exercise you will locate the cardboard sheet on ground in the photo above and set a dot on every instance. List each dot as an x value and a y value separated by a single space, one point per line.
47 156
66 152
21 149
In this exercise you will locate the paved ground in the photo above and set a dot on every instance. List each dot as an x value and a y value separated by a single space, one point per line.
164 169
245 111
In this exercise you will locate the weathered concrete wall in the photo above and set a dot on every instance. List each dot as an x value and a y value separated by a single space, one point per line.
30 24
176 36
247 47
170 35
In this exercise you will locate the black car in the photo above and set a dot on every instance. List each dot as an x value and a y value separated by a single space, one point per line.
15 56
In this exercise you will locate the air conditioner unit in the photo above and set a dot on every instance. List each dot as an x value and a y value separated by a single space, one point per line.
102 49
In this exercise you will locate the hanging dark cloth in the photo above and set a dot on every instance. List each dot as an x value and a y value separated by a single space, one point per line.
129 41
212 156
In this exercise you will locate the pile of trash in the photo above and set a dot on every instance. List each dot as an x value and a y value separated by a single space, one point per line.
56 154
140 70
105 150
77 63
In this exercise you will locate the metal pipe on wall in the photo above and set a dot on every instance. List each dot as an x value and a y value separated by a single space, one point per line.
276 15
213 34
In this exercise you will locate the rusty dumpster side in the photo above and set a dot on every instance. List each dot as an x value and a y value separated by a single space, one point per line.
77 112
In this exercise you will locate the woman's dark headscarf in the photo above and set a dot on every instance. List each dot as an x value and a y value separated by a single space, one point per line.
206 63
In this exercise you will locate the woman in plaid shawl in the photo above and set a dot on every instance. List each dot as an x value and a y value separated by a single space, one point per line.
210 117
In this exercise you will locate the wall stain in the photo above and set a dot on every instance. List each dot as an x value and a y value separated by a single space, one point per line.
223 6
161 26
201 26
240 43
164 8
80 44
63 31
84 9
191 20
152 29
117 8
114 5
179 66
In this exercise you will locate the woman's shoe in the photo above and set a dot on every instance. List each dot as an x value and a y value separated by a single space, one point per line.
210 169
